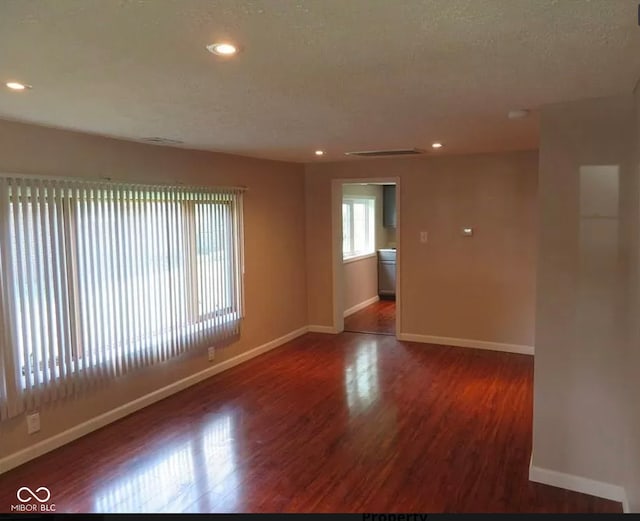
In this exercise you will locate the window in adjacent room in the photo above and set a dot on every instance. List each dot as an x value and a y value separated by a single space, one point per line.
358 227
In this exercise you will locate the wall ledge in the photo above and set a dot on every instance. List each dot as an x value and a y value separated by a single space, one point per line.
357 258
464 342
579 484
18 458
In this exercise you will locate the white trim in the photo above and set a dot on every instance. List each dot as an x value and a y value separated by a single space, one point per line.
82 429
464 342
579 484
355 258
323 329
362 305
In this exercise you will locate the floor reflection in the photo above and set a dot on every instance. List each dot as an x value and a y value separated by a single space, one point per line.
367 408
200 473
153 486
222 471
361 378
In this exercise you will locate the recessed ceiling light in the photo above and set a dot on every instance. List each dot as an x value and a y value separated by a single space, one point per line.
222 49
14 85
517 114
436 145
319 152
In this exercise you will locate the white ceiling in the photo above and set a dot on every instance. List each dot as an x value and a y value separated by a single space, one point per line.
334 74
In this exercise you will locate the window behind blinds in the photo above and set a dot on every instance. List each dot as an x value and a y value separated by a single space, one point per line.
100 279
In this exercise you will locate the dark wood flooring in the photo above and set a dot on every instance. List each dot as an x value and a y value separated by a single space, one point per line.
378 318
344 423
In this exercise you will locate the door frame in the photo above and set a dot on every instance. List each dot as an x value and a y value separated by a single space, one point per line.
336 247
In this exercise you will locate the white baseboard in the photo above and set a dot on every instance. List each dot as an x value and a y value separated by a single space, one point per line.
579 484
463 342
360 306
82 429
322 329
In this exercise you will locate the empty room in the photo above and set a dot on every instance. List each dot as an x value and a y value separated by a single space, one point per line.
319 256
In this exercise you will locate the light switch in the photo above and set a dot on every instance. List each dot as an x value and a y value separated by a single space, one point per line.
467 232
424 236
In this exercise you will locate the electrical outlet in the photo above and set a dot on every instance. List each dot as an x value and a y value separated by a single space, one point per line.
212 353
33 423
424 237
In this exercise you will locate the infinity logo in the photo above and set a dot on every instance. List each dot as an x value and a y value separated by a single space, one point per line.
34 495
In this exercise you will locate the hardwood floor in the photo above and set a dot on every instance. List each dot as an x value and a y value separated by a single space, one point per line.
344 423
378 318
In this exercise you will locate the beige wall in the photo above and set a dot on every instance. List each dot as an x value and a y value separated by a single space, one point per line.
479 288
587 226
360 281
274 244
632 389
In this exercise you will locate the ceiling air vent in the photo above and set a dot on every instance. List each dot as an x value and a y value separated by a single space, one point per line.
383 153
162 141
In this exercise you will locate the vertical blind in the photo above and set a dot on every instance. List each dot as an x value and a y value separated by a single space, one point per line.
100 279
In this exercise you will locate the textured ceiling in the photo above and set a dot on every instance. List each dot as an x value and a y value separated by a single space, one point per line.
334 74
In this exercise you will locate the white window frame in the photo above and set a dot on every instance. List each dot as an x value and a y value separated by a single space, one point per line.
352 255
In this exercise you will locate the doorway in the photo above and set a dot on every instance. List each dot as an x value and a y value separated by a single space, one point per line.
366 255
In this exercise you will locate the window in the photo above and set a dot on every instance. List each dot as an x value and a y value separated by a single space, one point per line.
99 279
358 226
